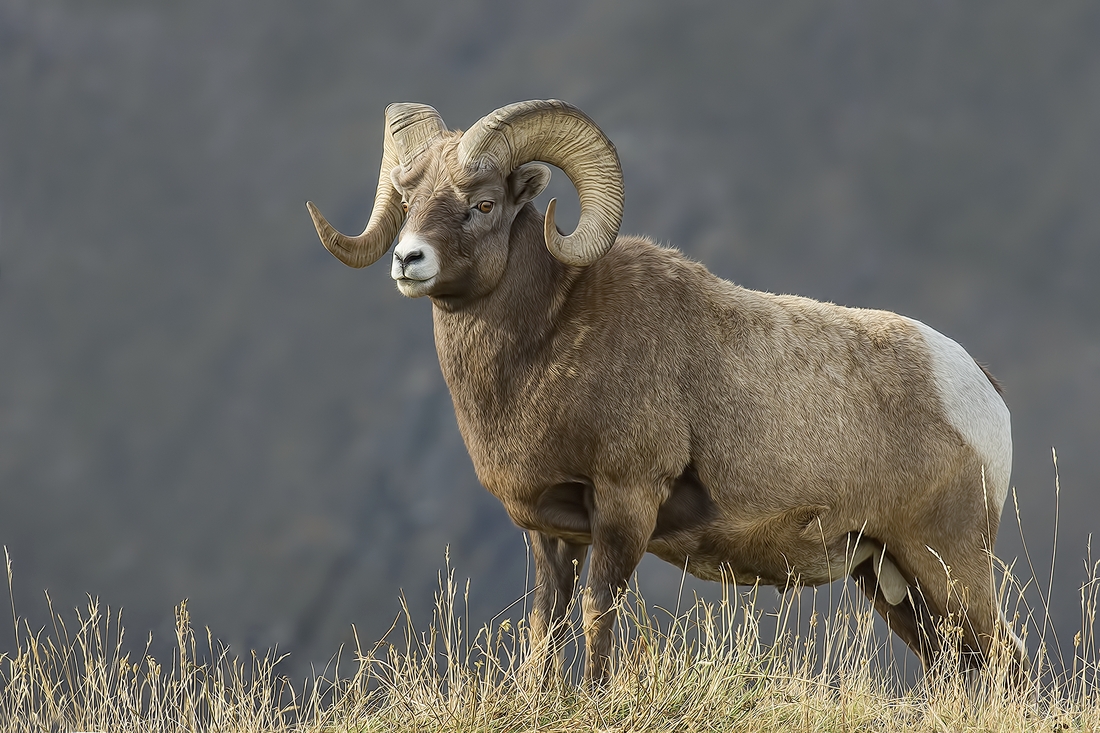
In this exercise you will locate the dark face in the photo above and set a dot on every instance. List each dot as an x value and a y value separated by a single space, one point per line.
454 244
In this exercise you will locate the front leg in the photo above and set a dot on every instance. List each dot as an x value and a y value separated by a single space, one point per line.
622 523
557 564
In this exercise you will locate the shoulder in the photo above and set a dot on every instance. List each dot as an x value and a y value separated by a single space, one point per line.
642 262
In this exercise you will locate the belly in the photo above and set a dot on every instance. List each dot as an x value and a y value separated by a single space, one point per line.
800 545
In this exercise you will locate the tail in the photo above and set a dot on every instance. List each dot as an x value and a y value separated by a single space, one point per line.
992 380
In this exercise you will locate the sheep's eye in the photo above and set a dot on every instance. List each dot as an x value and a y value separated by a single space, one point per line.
485 207
405 206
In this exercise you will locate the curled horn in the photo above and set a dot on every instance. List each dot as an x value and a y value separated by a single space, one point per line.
410 129
560 134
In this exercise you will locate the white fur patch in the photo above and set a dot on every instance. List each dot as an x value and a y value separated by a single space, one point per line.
973 407
415 265
890 580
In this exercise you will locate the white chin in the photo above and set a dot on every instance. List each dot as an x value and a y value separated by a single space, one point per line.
414 288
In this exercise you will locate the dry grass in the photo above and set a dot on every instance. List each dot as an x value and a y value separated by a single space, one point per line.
733 665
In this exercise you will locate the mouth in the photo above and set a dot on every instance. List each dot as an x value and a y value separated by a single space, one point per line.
413 288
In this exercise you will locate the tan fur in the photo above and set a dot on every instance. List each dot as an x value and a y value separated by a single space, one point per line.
643 404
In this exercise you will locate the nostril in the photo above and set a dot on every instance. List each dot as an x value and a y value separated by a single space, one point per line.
411 257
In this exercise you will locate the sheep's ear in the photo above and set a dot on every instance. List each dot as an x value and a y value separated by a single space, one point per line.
527 182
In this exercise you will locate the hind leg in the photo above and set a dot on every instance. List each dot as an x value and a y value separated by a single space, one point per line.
957 585
910 619
987 637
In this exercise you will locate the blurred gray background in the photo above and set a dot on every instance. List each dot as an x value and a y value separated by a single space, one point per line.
198 401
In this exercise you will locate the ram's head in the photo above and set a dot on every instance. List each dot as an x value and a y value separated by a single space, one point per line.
453 196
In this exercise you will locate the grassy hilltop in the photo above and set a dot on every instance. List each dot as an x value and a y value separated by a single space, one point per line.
198 401
731 665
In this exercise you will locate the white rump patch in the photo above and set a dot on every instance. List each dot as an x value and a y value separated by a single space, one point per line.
973 407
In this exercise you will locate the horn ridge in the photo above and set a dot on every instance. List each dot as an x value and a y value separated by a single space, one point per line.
414 128
410 129
558 133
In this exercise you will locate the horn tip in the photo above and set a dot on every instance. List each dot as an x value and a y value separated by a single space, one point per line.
314 212
327 234
549 227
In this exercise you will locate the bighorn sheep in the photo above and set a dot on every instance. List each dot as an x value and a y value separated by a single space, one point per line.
613 393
